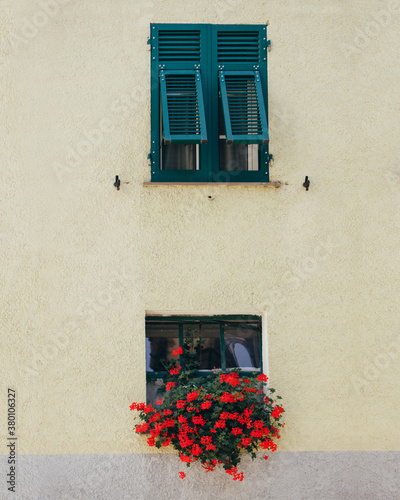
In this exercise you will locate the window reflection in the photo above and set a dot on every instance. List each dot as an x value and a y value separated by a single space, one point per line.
242 346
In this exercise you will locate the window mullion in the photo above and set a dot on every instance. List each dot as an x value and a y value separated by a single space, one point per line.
222 339
181 344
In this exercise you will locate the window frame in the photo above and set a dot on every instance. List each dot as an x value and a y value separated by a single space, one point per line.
208 169
209 319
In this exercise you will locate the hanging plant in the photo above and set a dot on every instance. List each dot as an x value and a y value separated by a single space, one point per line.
214 419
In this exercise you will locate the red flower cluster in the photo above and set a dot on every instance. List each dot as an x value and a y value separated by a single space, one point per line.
225 415
220 424
230 378
227 397
175 370
196 419
277 411
268 444
238 476
192 396
196 450
210 466
177 352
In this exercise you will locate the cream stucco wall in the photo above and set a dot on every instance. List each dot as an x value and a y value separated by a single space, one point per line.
82 262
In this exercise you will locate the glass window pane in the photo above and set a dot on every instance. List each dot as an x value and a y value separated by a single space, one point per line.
242 346
152 387
210 355
178 157
161 340
233 156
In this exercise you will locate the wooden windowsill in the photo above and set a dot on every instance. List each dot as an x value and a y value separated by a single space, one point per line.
211 184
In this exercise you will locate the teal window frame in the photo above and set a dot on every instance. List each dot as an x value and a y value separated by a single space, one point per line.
223 322
211 52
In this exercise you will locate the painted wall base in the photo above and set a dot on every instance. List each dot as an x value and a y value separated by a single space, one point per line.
285 475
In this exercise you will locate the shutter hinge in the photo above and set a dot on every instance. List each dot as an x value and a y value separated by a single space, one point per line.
270 159
268 43
149 43
149 158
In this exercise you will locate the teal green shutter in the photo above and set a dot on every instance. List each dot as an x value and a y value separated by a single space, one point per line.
192 117
182 107
243 107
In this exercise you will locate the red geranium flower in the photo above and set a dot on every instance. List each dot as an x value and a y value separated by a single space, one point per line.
262 377
182 475
208 467
178 351
196 450
227 398
175 370
238 477
169 386
191 396
230 378
277 411
199 420
233 470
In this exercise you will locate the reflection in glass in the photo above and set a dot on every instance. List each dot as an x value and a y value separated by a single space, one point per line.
161 340
210 355
233 156
178 157
242 346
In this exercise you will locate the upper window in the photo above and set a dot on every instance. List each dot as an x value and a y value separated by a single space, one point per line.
209 103
228 342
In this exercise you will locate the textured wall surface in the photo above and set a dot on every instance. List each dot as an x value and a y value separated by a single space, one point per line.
81 262
287 475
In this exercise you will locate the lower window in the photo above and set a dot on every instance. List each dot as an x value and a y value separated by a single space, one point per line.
230 341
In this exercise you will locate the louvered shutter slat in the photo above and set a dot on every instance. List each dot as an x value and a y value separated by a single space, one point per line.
179 46
238 47
182 107
243 107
